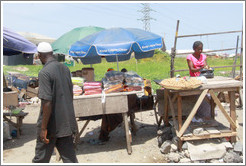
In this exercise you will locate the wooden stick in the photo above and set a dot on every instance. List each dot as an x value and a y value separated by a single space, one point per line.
180 111
232 112
216 100
175 123
81 131
166 107
128 139
205 34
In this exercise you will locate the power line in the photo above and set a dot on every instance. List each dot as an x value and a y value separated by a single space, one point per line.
146 16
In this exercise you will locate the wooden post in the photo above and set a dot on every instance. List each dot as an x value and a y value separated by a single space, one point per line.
241 57
235 59
128 137
232 112
173 51
180 111
166 122
241 71
4 82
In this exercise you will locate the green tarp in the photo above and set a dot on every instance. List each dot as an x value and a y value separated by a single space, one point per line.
63 43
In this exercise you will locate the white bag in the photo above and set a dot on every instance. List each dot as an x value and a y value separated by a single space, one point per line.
6 131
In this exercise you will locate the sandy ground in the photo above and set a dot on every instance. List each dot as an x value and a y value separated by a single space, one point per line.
144 144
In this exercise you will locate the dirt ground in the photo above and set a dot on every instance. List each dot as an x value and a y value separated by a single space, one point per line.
144 144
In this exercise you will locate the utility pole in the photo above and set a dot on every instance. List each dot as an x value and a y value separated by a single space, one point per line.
146 16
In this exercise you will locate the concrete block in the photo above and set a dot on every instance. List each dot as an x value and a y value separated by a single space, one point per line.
206 149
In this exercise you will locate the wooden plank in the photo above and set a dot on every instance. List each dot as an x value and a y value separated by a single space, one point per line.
166 107
93 105
212 109
180 111
216 100
190 92
206 34
193 112
203 133
226 84
232 112
212 130
32 92
5 85
225 89
175 123
221 135
128 139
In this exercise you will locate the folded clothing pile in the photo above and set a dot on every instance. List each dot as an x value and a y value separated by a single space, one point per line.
115 81
133 79
77 90
78 81
112 78
91 88
114 88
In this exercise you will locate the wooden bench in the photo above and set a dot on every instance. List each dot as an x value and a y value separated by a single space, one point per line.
19 118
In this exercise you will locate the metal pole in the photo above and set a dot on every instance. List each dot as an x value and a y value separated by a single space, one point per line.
235 59
173 51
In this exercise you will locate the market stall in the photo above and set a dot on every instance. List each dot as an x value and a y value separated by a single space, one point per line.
99 104
175 97
119 94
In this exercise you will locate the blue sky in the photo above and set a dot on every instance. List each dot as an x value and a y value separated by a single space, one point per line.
57 18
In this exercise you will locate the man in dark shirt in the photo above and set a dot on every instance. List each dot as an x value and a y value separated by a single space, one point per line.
56 124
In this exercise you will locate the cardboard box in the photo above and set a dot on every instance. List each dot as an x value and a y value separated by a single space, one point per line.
32 92
10 98
88 74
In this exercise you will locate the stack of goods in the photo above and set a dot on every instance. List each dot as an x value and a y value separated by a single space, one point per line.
112 78
115 88
133 81
78 81
183 83
91 88
77 90
115 81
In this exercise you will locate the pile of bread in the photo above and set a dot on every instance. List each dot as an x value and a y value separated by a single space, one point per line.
183 83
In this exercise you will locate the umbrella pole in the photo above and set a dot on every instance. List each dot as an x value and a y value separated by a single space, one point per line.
136 65
117 62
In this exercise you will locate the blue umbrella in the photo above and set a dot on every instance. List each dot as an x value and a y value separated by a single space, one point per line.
116 44
14 43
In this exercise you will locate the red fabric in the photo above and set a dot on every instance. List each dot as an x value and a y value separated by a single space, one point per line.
92 92
92 84
92 87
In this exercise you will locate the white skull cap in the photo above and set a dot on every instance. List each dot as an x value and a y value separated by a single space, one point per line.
44 47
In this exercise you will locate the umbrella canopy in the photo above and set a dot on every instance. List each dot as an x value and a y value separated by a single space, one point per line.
116 44
63 43
36 38
14 43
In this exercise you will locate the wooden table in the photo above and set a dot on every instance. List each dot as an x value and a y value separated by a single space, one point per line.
217 84
90 105
19 118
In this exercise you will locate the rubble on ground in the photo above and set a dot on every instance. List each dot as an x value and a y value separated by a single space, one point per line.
226 152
